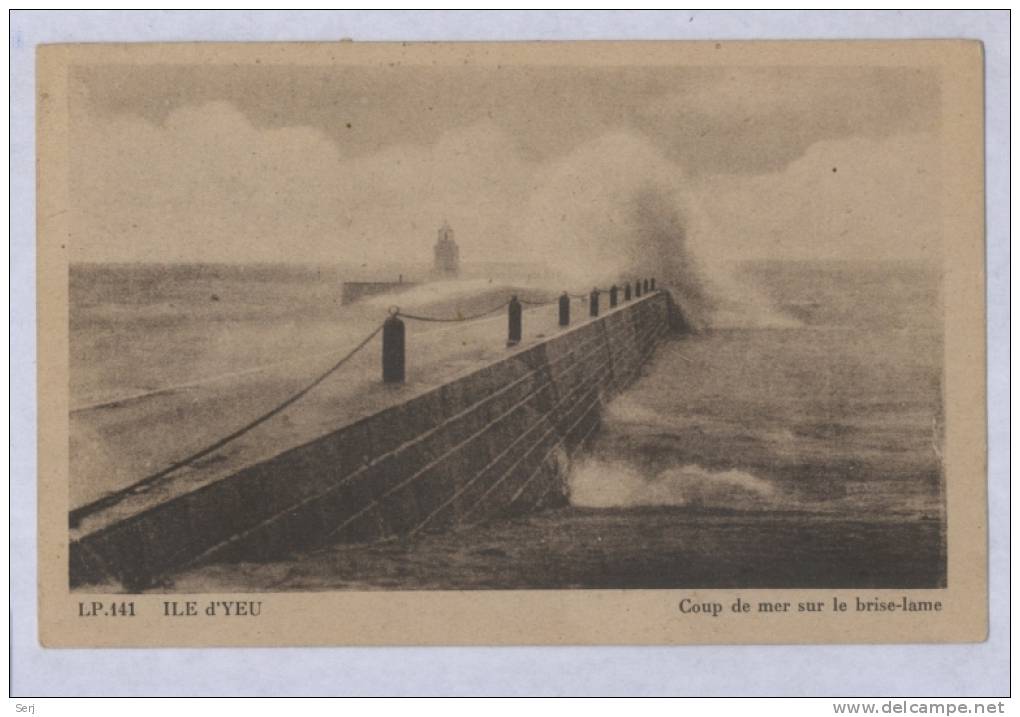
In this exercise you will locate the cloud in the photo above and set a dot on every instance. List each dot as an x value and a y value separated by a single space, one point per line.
759 119
472 177
207 185
844 199
708 118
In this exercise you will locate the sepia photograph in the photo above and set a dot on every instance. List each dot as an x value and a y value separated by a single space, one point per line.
503 327
405 318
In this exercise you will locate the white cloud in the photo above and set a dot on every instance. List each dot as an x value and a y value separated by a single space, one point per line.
854 198
207 185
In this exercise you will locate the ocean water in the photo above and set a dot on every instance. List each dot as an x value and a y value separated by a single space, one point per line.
142 328
803 452
839 412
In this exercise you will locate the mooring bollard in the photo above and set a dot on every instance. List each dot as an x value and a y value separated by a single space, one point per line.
393 348
514 321
593 302
626 291
613 291
565 309
637 288
653 284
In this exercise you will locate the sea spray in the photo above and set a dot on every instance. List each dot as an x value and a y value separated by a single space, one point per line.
458 297
612 210
615 210
596 483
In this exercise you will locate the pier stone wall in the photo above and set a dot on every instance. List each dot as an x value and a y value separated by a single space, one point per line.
352 291
494 443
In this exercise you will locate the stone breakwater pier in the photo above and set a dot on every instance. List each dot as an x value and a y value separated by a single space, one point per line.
447 441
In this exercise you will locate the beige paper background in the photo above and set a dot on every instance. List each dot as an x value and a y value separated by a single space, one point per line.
553 616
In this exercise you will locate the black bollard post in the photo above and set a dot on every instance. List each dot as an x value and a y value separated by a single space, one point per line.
645 287
613 291
565 309
393 350
637 288
626 291
514 319
653 284
593 302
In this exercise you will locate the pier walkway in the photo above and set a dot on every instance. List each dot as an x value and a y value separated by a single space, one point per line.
121 440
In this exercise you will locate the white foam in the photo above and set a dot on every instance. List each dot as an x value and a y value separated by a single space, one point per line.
596 483
615 208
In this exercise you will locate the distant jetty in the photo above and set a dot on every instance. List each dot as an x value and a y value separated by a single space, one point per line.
356 290
446 265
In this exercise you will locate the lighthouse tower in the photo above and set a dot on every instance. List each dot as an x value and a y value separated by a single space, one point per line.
447 254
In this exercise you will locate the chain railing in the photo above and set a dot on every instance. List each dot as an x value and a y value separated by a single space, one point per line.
140 486
393 371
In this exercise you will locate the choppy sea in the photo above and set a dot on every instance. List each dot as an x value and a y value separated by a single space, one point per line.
799 452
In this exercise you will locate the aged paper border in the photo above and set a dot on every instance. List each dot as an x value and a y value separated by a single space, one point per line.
541 617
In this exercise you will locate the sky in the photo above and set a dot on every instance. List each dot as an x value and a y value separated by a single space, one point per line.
269 163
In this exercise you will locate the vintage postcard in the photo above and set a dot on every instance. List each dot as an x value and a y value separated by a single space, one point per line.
520 343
